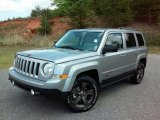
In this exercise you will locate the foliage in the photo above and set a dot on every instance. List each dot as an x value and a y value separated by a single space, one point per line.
149 8
45 27
80 11
117 12
38 12
83 12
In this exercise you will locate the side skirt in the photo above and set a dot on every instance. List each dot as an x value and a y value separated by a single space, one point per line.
117 78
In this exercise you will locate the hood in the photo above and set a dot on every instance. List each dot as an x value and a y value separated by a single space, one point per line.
57 55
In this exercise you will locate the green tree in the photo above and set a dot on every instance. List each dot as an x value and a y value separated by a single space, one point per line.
83 12
38 12
45 27
80 11
149 8
117 12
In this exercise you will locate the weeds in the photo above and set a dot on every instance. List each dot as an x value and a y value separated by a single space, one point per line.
153 39
17 40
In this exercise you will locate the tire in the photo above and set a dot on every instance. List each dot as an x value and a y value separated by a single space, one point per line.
83 95
137 78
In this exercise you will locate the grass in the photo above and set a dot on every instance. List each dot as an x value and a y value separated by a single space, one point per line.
154 50
7 54
10 44
15 39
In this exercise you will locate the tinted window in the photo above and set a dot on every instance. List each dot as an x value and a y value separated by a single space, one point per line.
130 40
140 39
115 38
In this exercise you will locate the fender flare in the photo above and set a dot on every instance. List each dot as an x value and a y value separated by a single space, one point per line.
77 69
141 56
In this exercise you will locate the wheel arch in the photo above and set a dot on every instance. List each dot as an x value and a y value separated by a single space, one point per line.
141 58
90 69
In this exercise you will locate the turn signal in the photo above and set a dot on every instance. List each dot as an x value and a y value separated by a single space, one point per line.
64 76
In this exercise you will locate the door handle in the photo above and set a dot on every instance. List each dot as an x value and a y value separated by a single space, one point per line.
122 55
136 52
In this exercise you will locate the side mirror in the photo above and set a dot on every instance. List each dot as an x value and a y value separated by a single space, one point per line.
110 48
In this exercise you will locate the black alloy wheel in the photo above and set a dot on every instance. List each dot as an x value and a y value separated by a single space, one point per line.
139 73
83 95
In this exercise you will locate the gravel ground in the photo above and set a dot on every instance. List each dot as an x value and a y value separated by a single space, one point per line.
121 101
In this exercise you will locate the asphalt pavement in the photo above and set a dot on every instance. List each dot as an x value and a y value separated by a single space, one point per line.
121 101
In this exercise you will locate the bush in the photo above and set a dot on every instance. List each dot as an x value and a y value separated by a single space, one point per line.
82 15
45 27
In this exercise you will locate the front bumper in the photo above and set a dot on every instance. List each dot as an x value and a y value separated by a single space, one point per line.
28 83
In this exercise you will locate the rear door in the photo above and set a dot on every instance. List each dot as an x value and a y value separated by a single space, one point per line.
131 51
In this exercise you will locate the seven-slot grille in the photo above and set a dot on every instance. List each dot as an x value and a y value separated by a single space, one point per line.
27 66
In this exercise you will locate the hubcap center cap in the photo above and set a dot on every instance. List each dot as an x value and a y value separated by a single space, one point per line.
82 93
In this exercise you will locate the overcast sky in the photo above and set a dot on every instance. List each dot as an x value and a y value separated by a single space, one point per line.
20 8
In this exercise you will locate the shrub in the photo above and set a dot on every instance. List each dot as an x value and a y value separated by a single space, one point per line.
45 27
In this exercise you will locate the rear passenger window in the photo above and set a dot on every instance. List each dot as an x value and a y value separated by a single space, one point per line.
140 39
115 38
130 40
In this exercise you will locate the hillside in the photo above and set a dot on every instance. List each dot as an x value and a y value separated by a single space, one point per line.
27 28
19 31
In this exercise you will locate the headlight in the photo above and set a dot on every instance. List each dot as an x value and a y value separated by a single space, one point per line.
48 69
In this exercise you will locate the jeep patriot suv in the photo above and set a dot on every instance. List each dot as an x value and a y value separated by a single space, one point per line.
80 63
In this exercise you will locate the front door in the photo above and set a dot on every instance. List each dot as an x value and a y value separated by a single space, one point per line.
114 62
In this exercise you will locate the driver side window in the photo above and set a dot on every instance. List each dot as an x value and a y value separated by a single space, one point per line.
115 38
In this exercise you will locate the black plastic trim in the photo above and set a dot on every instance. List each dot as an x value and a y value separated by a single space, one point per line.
117 78
53 92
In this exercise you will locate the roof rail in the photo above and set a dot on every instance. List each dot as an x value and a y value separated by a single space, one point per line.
125 28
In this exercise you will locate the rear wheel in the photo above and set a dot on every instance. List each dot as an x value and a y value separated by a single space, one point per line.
83 95
139 73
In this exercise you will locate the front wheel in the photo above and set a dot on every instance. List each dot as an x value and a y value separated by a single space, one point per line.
139 73
83 95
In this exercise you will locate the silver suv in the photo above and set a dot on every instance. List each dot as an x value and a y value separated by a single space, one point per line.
80 63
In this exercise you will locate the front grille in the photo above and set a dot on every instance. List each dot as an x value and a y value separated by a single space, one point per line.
27 66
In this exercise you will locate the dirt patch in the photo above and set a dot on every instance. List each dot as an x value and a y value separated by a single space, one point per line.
28 27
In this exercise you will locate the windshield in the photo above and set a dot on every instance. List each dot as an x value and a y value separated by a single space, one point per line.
80 40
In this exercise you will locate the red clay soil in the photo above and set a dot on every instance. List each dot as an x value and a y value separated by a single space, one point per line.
28 27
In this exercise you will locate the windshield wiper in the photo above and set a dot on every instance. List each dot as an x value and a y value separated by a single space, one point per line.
68 47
